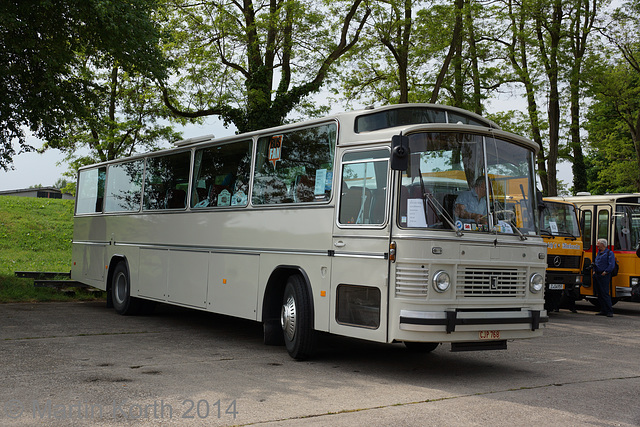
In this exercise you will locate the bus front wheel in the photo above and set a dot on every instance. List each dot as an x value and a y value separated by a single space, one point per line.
295 319
123 302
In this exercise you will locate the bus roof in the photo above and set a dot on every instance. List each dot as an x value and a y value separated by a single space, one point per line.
348 134
558 200
600 198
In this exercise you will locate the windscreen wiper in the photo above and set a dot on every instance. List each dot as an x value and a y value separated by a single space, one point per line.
520 233
435 205
566 233
547 232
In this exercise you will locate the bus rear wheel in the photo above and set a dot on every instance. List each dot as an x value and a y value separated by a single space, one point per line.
296 321
123 302
421 347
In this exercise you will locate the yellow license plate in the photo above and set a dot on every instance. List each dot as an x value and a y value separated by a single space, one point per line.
489 335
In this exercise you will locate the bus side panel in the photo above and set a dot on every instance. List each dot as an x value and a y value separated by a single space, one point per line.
153 272
359 288
232 286
187 278
89 250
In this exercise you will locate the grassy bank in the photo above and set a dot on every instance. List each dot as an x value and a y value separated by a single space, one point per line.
35 235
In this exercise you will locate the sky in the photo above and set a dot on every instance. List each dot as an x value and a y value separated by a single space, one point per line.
31 169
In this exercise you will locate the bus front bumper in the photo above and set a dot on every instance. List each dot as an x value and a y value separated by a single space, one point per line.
448 321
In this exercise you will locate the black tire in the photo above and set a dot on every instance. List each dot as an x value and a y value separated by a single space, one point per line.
123 302
421 347
296 320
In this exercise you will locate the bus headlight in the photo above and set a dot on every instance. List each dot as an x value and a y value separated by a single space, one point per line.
441 281
634 281
536 283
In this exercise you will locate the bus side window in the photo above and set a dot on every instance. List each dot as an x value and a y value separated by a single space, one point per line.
295 166
364 188
176 199
90 194
354 206
269 190
586 230
303 189
124 183
603 225
219 174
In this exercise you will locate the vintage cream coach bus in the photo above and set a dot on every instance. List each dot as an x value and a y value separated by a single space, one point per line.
345 224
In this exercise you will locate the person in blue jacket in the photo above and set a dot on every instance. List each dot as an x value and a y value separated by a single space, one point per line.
603 266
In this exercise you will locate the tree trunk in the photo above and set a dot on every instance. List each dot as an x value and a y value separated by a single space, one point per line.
455 41
473 53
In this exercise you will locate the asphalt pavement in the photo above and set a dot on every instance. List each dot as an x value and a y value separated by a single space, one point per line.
82 364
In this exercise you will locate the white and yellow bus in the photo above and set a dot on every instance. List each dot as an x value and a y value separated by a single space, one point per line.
307 227
615 217
561 232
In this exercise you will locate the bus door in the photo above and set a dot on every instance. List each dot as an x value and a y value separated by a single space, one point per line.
626 236
360 266
596 224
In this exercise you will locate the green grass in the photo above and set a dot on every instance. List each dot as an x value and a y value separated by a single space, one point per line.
35 235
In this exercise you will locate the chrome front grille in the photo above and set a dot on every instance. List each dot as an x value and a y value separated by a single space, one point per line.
483 282
412 280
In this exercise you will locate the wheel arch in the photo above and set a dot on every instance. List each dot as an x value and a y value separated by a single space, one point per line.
274 291
115 260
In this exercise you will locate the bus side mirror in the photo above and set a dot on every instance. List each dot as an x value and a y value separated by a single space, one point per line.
400 152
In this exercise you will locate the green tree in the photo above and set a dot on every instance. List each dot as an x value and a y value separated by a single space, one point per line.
253 62
549 16
614 117
42 45
61 183
421 51
517 40
124 115
614 130
582 20
383 67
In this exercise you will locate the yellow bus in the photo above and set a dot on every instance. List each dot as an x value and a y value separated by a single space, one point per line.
342 224
561 232
615 217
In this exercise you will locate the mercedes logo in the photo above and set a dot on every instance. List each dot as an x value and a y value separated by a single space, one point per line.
557 261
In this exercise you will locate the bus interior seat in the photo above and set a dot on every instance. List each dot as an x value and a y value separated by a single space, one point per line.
377 208
215 191
352 206
199 195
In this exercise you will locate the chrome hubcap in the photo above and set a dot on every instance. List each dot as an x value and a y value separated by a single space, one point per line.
288 318
120 288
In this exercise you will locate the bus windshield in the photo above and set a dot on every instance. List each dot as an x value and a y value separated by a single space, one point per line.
469 183
559 219
627 222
